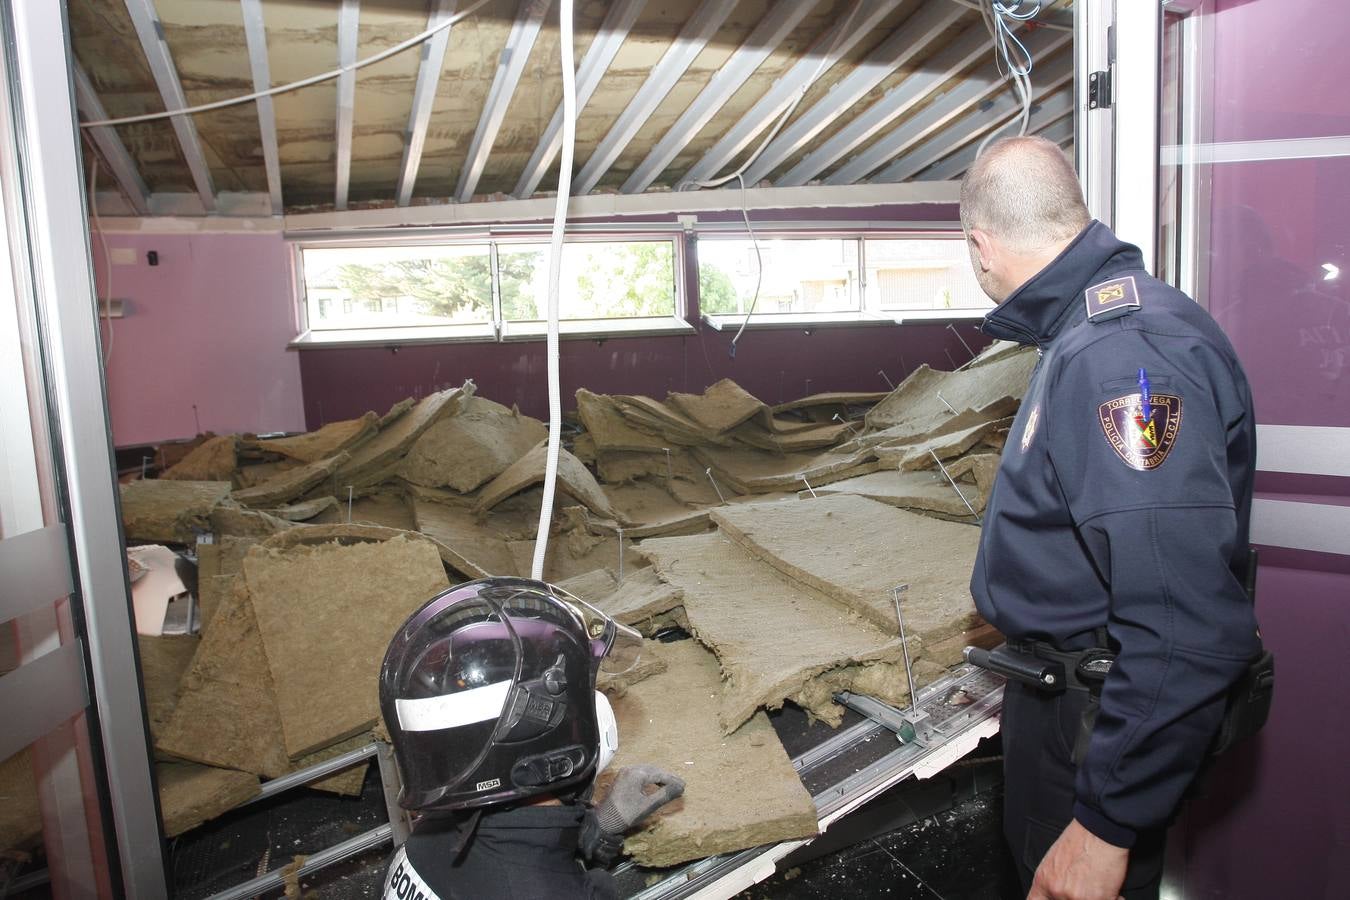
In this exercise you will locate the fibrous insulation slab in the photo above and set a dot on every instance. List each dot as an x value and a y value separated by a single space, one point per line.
776 640
469 449
190 794
720 408
172 511
574 479
995 388
473 549
326 614
855 550
740 789
325 442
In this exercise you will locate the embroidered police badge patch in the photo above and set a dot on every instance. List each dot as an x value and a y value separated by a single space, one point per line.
1141 438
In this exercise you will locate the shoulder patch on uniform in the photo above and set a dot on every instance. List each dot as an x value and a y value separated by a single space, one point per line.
1141 441
1110 299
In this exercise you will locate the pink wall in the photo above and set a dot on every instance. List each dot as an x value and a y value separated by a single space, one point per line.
208 326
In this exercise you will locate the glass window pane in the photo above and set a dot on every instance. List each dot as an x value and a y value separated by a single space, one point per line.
376 287
799 276
600 280
922 274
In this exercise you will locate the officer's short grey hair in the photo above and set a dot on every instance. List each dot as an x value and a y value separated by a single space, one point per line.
1023 191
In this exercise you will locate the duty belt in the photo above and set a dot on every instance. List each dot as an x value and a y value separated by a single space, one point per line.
1045 667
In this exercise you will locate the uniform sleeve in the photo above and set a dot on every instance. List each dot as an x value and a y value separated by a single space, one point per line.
1155 511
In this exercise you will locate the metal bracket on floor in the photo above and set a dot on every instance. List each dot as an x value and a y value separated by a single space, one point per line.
398 829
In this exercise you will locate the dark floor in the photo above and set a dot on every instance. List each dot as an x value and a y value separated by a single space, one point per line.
938 838
953 855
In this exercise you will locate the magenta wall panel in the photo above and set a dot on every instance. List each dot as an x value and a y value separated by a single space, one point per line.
774 365
1280 69
208 326
1275 225
1273 820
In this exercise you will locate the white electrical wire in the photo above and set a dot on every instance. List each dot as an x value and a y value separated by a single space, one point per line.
295 85
1000 18
569 136
739 174
980 8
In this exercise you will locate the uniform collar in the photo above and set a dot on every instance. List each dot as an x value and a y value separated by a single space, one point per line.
1036 311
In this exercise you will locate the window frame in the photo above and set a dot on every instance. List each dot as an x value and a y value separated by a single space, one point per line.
498 328
864 314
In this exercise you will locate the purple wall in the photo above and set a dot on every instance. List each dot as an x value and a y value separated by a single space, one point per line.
774 365
1274 820
208 326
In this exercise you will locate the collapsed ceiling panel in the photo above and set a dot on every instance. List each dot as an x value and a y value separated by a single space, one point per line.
687 90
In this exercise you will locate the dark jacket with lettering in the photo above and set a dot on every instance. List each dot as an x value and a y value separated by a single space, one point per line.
1107 514
525 853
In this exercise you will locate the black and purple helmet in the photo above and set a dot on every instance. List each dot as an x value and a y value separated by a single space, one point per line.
488 692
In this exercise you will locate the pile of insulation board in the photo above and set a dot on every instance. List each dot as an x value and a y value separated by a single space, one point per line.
773 535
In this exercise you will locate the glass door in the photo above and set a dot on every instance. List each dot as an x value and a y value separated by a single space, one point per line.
78 811
1254 172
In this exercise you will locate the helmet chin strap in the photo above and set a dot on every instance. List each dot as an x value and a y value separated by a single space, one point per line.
609 731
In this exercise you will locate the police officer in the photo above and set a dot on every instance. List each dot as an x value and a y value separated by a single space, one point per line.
489 695
1117 527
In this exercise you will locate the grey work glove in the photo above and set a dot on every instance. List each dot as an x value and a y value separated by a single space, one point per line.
629 801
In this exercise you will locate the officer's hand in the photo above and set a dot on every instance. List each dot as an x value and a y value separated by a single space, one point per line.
1080 866
638 791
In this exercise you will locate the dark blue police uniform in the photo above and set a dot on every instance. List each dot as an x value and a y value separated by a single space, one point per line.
1122 502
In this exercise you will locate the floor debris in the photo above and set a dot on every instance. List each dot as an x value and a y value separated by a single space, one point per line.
740 790
465 451
169 511
326 614
776 641
773 535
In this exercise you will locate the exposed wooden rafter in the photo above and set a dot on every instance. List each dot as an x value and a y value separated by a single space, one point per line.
973 89
827 49
904 44
970 128
700 28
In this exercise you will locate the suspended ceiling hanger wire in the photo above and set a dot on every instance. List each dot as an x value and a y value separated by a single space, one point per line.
739 173
295 85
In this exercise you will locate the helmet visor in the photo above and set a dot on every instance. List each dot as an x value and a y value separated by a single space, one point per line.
615 648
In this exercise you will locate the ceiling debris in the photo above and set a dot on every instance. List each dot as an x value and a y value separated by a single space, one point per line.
690 521
740 790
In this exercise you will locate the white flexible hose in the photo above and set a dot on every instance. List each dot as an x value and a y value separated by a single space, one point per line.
569 136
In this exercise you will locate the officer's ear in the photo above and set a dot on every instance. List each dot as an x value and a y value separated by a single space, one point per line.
983 249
